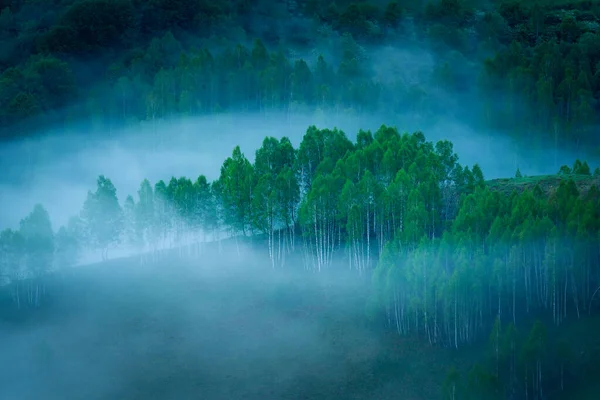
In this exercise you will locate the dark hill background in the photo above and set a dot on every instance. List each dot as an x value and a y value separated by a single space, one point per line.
525 69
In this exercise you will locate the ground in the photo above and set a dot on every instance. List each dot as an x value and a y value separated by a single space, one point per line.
193 329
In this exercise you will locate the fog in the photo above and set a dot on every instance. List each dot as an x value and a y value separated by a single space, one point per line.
223 324
58 168
215 328
220 326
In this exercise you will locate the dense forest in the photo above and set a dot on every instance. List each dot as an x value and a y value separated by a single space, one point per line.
451 256
526 67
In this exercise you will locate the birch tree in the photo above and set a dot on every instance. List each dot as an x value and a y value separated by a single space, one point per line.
236 184
103 216
38 237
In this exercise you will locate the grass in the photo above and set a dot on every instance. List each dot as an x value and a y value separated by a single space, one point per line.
548 183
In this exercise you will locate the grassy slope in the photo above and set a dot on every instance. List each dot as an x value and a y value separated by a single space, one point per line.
548 183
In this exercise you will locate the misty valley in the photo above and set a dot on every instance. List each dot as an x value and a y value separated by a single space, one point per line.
374 268
299 199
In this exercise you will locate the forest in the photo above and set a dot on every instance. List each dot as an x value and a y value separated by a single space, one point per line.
453 259
408 272
527 66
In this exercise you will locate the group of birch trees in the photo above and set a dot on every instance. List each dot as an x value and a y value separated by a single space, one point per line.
506 256
329 197
447 252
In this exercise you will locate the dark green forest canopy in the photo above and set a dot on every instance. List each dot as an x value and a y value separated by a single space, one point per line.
450 255
531 66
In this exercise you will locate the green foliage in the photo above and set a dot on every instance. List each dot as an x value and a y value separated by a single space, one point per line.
43 85
451 387
102 215
145 212
452 259
91 25
38 237
518 174
581 168
393 14
236 182
163 58
482 384
69 244
565 170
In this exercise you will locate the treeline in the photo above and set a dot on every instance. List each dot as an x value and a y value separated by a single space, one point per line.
533 66
448 253
551 70
327 197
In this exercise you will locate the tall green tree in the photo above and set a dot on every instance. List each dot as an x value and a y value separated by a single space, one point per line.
103 216
12 264
145 214
68 244
36 230
236 184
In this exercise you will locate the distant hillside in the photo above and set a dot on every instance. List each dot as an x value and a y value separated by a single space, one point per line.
548 183
528 66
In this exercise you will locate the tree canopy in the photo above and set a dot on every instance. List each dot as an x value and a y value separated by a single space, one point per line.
530 67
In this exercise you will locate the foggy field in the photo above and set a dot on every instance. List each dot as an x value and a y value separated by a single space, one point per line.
182 330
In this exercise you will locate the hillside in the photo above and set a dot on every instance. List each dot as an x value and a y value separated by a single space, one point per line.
190 327
361 243
184 329
547 183
522 67
371 265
